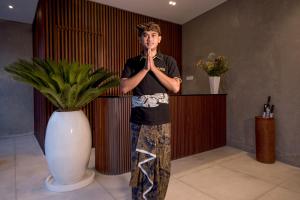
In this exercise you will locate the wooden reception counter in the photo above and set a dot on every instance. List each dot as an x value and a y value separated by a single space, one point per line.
198 124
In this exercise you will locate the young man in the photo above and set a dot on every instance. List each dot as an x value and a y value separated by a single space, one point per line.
150 75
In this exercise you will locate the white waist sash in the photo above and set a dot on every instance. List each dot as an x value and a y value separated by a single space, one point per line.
151 101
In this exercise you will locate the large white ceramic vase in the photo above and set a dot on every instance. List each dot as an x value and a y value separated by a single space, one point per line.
68 146
214 82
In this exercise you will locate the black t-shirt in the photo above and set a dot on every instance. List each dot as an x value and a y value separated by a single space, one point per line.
150 105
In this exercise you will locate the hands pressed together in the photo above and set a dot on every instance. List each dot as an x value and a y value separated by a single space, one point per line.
173 84
150 62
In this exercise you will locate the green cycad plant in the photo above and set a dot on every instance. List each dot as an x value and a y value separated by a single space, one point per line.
69 86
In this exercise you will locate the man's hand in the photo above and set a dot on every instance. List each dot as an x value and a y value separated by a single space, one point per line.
150 62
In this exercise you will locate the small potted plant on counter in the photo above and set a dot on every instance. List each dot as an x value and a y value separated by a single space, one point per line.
214 66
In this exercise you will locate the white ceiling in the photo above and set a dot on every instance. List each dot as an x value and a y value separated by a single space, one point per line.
23 11
182 12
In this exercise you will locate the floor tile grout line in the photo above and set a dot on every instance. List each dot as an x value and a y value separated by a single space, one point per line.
231 158
251 175
256 198
263 194
245 173
110 194
16 136
194 171
263 180
191 186
280 186
213 163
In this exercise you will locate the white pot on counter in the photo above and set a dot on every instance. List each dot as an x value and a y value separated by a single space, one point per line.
214 83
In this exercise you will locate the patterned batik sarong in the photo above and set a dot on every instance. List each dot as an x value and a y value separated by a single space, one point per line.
150 161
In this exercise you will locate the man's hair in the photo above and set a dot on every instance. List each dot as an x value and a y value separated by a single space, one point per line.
148 26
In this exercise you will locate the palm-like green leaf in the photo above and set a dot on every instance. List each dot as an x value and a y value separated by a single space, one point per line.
84 72
74 71
69 86
93 93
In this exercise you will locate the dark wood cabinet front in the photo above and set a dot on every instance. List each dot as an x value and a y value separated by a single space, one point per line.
198 124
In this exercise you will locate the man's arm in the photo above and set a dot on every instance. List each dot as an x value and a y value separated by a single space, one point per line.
172 84
127 84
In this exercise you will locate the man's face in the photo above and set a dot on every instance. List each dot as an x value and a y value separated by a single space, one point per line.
150 39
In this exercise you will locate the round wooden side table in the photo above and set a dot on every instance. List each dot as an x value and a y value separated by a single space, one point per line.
265 139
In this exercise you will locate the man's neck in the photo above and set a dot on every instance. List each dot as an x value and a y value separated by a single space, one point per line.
153 52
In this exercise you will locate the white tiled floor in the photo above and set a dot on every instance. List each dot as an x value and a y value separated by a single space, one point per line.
222 174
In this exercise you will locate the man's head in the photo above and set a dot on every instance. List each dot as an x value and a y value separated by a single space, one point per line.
149 35
148 26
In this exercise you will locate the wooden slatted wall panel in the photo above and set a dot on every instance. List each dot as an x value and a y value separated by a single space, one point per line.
88 32
198 123
113 141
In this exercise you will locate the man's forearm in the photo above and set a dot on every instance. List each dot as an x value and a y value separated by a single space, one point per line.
127 84
171 84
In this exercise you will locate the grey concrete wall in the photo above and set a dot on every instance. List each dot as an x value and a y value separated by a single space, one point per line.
262 40
16 99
